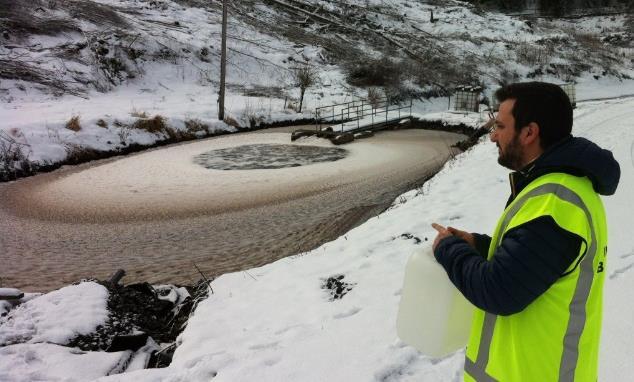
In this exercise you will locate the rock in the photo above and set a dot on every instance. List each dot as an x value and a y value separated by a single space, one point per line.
301 133
341 139
10 294
127 342
364 134
337 287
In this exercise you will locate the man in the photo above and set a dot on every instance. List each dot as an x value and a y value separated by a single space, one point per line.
537 284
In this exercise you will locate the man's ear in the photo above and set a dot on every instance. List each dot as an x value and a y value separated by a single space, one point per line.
530 134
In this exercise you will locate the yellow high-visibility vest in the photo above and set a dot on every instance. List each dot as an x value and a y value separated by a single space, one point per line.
556 337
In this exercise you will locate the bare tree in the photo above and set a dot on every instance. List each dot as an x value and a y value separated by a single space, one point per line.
305 77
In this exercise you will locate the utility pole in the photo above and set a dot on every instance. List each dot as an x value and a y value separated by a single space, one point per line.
223 63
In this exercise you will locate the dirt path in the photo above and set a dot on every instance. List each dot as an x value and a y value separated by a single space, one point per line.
155 220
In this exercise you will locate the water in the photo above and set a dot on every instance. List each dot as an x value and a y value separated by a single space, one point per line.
155 214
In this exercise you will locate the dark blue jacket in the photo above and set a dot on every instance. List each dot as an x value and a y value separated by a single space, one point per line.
532 256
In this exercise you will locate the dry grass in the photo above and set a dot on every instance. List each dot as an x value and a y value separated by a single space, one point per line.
102 123
73 123
138 114
196 125
231 122
151 125
178 135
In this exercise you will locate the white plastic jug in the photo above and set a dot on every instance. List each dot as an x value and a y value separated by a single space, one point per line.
433 316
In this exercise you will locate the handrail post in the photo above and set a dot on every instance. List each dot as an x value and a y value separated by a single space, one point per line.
342 120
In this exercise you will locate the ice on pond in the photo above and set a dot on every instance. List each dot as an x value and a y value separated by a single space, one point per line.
267 156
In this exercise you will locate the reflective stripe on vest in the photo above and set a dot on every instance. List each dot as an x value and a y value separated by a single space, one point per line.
577 307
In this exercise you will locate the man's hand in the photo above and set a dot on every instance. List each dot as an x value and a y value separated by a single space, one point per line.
449 231
442 233
466 236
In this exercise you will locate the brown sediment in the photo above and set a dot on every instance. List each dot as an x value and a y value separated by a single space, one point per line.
45 248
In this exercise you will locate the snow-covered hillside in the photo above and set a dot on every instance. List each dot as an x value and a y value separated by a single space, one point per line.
83 77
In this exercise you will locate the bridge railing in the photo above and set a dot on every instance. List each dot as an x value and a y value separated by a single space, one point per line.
365 113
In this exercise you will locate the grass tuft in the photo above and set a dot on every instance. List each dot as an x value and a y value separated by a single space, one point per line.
151 125
73 123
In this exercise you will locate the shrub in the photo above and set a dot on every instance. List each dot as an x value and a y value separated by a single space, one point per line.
531 54
123 132
73 123
374 96
370 72
12 157
78 154
151 125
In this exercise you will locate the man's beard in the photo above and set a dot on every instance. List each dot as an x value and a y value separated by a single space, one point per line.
511 157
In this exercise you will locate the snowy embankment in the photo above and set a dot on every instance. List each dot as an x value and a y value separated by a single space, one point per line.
284 324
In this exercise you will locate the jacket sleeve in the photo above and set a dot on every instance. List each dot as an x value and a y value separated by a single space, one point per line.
528 261
482 243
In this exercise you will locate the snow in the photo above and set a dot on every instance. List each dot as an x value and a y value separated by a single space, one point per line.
50 362
56 317
281 324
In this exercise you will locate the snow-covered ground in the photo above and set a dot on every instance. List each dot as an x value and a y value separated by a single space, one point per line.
279 322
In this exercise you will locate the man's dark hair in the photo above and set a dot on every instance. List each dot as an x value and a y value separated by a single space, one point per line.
543 103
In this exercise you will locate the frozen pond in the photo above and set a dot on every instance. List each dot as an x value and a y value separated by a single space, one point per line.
158 212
